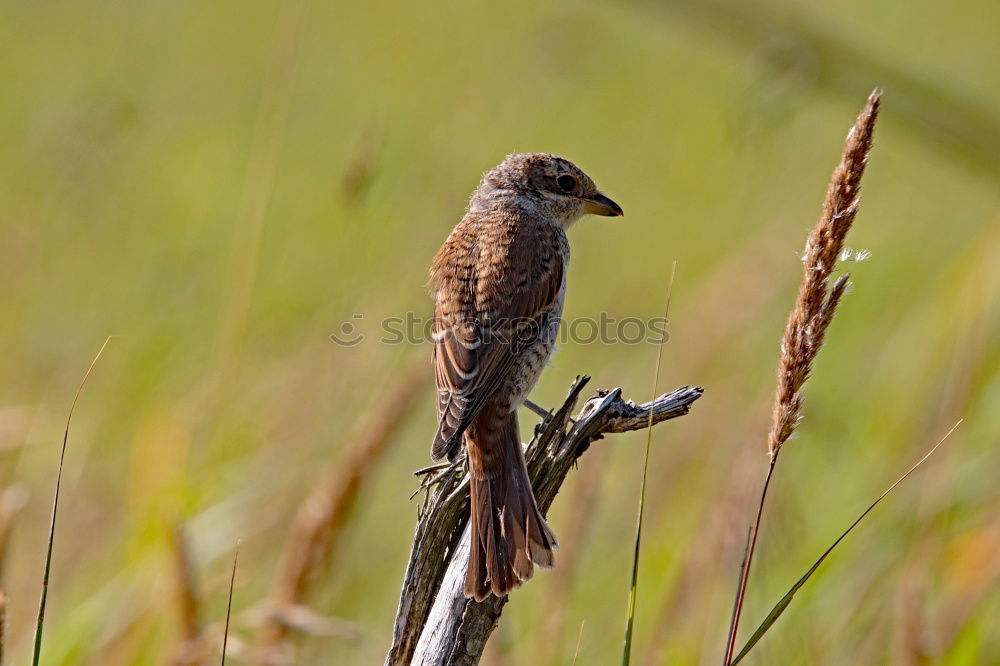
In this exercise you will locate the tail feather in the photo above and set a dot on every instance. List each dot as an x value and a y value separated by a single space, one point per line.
509 533
477 583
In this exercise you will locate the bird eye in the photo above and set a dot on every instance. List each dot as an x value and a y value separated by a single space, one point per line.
566 183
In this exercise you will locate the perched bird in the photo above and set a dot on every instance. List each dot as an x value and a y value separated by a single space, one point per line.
498 283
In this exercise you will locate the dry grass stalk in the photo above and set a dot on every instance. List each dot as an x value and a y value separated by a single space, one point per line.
814 308
229 604
817 302
360 171
40 622
189 651
3 621
325 512
12 500
910 634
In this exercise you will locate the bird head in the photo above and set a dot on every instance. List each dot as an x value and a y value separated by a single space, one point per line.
553 184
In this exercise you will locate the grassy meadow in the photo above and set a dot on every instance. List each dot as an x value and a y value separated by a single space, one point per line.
222 186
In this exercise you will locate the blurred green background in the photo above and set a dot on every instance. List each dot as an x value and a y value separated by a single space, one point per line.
220 185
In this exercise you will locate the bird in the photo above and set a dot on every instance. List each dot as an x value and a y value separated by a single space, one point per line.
498 283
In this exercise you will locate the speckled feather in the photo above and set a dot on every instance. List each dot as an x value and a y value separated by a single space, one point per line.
498 282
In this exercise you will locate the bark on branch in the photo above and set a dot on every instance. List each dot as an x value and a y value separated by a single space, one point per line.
435 624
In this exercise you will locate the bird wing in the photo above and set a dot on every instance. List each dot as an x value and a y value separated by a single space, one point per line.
483 324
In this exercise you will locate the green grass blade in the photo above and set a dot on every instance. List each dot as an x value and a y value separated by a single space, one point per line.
40 623
633 587
780 607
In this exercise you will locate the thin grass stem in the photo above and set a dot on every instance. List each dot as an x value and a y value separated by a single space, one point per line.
579 639
780 607
229 604
40 623
633 587
741 591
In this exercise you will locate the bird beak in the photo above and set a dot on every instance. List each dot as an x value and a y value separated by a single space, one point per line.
601 205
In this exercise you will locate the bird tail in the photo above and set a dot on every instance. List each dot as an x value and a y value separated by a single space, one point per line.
508 532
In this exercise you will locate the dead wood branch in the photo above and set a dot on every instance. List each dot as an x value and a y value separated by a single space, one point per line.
435 624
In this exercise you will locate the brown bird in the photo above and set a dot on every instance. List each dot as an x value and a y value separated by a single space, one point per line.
498 282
